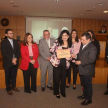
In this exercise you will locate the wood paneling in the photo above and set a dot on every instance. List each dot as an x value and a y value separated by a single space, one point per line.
76 24
86 24
2 32
102 49
16 23
12 22
21 33
100 77
20 22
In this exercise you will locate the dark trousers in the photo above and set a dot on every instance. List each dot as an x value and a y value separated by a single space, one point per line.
10 76
59 74
31 71
107 82
86 82
74 66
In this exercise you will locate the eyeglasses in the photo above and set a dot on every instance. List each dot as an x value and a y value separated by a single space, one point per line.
46 34
64 35
10 33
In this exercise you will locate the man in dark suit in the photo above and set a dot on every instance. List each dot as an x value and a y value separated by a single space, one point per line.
11 52
85 61
103 30
106 92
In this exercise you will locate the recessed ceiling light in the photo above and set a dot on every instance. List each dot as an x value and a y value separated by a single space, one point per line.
19 11
105 11
89 10
15 6
51 12
81 13
11 2
57 0
100 3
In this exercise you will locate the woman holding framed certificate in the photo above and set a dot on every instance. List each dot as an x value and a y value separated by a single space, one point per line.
61 55
76 44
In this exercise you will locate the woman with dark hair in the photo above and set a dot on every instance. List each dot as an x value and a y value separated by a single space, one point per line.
60 66
94 41
29 63
76 44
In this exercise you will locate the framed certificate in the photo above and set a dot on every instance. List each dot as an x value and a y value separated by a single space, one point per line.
63 53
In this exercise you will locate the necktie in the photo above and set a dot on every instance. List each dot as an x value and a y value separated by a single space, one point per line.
48 43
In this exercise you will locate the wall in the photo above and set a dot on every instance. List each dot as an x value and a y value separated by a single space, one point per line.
16 23
82 25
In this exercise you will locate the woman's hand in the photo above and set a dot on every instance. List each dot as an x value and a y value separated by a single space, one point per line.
32 61
59 48
67 58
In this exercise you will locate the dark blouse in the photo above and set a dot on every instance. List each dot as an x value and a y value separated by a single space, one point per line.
97 45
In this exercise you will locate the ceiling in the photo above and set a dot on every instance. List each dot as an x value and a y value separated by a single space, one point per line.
50 8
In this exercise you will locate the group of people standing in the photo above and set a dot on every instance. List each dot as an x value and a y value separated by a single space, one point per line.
83 57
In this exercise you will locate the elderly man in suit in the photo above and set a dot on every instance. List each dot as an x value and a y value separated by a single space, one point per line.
45 64
11 52
85 61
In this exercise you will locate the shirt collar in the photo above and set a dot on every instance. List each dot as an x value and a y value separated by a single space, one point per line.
86 44
11 40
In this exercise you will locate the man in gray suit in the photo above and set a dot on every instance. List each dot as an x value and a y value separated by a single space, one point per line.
85 61
45 64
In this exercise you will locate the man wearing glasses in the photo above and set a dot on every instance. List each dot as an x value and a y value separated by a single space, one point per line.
11 52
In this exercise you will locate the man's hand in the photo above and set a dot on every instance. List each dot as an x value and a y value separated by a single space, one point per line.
48 58
73 56
78 62
14 61
32 61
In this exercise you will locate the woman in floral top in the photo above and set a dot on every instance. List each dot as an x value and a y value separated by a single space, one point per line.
60 66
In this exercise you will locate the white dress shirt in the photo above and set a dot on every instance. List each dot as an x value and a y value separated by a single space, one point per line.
85 45
48 41
11 42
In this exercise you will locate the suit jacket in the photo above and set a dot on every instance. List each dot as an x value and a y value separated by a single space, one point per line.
7 52
25 56
44 50
102 32
87 56
106 51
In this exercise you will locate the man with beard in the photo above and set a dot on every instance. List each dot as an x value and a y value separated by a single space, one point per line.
11 52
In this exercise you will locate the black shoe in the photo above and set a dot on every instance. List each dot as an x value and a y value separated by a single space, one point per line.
106 93
74 88
67 86
15 89
43 89
81 97
34 90
51 88
64 95
28 91
9 92
58 96
86 102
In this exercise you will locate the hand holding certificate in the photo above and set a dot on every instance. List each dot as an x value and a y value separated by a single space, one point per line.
63 53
